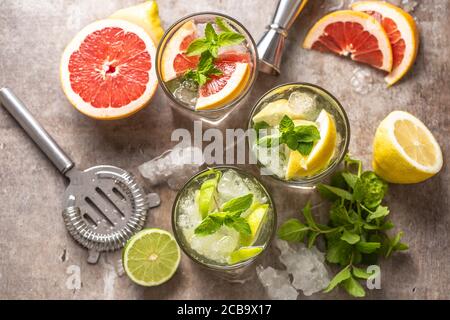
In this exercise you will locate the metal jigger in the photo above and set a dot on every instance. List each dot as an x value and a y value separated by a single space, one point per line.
270 47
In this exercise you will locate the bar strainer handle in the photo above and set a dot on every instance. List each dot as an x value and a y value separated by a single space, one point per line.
35 131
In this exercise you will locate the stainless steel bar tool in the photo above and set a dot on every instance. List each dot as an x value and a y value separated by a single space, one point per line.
104 205
270 47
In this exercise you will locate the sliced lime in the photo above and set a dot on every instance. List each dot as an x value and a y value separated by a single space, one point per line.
206 196
151 257
244 253
255 220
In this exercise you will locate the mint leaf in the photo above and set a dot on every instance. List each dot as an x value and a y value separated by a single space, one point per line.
308 216
370 189
344 194
378 213
341 276
312 236
292 230
393 243
230 39
350 178
305 148
339 252
207 226
223 25
349 237
353 287
197 47
338 214
286 124
367 247
360 273
307 133
210 33
239 224
239 204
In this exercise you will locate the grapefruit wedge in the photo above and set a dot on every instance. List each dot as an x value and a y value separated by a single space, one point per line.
401 30
107 70
222 89
174 62
352 33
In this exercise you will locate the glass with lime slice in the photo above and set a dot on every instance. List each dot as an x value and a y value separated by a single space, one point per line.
224 219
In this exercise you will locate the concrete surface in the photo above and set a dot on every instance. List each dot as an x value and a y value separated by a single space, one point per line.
38 258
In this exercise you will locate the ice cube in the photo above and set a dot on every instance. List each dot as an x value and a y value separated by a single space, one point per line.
187 92
306 266
361 81
217 246
173 166
303 104
277 283
409 5
231 185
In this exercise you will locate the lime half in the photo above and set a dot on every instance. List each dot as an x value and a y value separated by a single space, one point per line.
151 257
244 253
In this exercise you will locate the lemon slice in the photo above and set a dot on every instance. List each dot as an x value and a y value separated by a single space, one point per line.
255 220
404 150
302 166
145 15
244 254
274 112
151 257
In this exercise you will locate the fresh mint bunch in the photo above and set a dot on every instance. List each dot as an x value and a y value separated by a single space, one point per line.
356 232
208 49
230 215
297 138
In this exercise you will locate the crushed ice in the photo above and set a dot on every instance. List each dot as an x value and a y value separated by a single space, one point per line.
173 166
361 81
305 266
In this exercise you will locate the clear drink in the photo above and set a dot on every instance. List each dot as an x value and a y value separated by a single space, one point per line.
206 64
302 133
232 244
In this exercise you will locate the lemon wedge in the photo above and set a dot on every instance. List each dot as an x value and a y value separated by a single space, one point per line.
404 150
145 15
302 166
275 111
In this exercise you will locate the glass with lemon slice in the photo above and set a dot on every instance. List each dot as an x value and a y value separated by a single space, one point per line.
206 65
302 134
223 219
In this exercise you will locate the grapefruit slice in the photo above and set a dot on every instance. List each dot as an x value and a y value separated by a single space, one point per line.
220 90
352 33
402 32
174 61
107 70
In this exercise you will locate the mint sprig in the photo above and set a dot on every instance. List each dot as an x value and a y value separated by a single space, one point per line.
208 49
356 232
229 214
297 138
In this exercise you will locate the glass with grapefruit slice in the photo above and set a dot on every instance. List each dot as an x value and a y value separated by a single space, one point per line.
302 134
206 64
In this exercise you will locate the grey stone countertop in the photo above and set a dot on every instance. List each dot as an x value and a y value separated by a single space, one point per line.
38 256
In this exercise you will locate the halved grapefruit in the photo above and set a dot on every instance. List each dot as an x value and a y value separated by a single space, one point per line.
107 70
401 30
352 33
219 90
174 62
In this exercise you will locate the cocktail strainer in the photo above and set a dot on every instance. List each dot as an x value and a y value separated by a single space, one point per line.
104 205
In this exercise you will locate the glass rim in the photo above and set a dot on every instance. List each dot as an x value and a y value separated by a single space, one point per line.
236 100
187 250
312 181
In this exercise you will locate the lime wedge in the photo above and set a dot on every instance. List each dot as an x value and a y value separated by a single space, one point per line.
255 220
244 253
206 196
151 257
